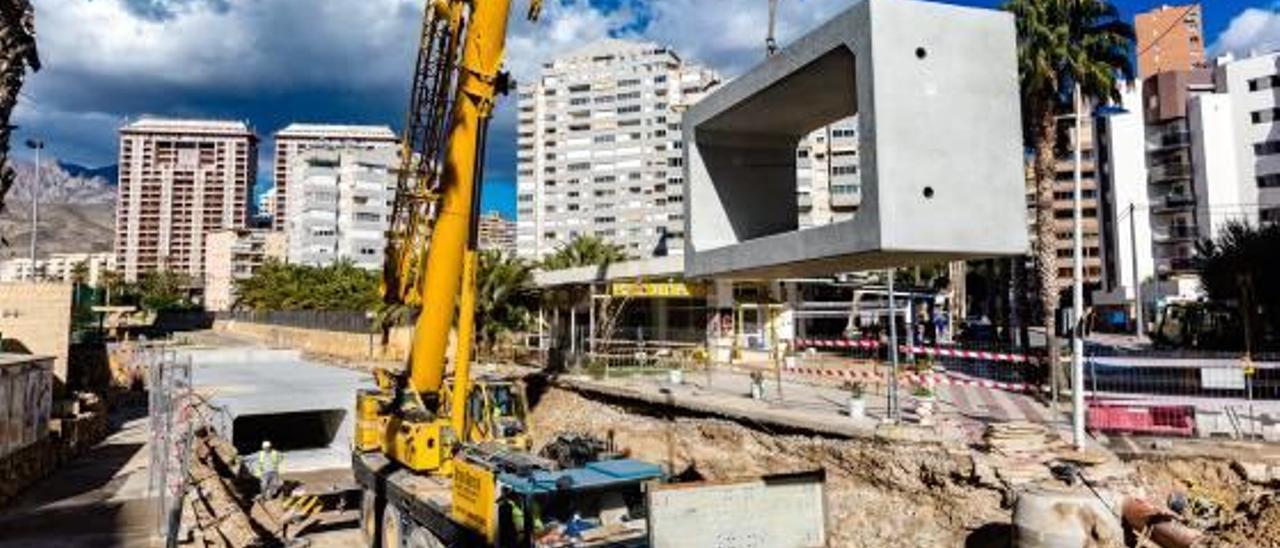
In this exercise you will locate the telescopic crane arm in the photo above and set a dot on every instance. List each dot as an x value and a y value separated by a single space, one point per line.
430 258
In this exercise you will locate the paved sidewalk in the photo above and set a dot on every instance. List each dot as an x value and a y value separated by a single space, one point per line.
825 402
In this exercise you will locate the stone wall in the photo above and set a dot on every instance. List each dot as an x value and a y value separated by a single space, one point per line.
35 318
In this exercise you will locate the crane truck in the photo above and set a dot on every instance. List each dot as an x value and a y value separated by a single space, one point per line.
446 462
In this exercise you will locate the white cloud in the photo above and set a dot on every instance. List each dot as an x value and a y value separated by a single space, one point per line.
1254 29
268 60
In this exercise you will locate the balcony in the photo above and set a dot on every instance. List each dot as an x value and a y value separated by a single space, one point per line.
1175 233
1169 172
1176 265
1169 140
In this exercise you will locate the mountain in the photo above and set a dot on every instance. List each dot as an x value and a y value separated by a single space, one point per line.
110 173
76 213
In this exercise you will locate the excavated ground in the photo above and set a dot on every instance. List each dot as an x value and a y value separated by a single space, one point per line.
878 493
1232 510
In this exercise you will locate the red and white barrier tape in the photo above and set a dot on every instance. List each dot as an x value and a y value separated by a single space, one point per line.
930 379
949 352
969 354
837 343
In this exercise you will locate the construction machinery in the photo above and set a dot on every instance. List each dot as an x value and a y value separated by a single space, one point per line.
446 462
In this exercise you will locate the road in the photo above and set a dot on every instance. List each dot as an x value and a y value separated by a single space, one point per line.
98 500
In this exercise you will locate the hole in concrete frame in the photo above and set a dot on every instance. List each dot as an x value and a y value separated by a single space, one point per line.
921 53
289 431
801 128
928 192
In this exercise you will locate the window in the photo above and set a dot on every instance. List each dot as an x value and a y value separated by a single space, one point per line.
844 170
1269 181
629 83
1265 82
603 139
1267 148
580 127
605 179
1271 215
675 162
629 110
628 96
525 198
844 133
580 166
368 217
802 153
1266 115
579 88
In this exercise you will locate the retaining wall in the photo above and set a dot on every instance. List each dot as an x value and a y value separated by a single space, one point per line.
339 344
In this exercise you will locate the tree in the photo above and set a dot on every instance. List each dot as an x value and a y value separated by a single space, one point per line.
112 282
280 286
80 273
160 290
1238 267
17 53
584 251
505 295
1062 44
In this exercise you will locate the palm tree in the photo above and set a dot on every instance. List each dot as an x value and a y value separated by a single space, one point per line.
1062 45
17 53
584 251
504 295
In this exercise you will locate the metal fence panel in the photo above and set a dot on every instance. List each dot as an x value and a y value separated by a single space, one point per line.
354 321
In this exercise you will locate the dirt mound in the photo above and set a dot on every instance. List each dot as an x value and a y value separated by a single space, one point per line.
879 494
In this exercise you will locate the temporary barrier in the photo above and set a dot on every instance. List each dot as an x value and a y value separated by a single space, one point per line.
1163 420
26 400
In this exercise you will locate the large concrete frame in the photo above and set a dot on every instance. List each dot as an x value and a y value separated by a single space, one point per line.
936 88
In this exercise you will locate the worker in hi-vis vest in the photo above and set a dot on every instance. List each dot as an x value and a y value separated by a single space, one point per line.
268 470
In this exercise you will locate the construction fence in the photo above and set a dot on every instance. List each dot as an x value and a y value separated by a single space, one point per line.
351 321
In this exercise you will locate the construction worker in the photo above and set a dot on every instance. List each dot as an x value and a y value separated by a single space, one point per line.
268 470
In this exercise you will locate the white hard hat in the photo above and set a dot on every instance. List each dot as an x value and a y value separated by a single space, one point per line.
266 445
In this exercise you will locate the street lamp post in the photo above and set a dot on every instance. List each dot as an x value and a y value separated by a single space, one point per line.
1077 299
38 146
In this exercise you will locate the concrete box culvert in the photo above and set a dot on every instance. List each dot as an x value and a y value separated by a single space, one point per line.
935 89
287 431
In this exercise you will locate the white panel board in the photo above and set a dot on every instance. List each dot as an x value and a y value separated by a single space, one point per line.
770 512
1222 378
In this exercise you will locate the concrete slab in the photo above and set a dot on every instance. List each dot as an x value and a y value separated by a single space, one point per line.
305 406
935 88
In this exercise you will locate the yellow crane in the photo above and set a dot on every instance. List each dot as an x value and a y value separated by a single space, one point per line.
447 463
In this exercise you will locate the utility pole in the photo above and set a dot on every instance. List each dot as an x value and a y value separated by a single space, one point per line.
893 411
1137 278
38 146
1077 299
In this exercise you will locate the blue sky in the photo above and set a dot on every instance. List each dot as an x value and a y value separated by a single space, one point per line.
271 62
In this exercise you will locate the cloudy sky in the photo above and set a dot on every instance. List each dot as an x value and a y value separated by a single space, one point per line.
271 62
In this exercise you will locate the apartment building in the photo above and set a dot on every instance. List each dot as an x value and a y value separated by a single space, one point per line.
58 267
180 180
340 200
828 186
295 139
1246 96
1169 38
233 255
1189 152
1064 204
599 149
496 233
